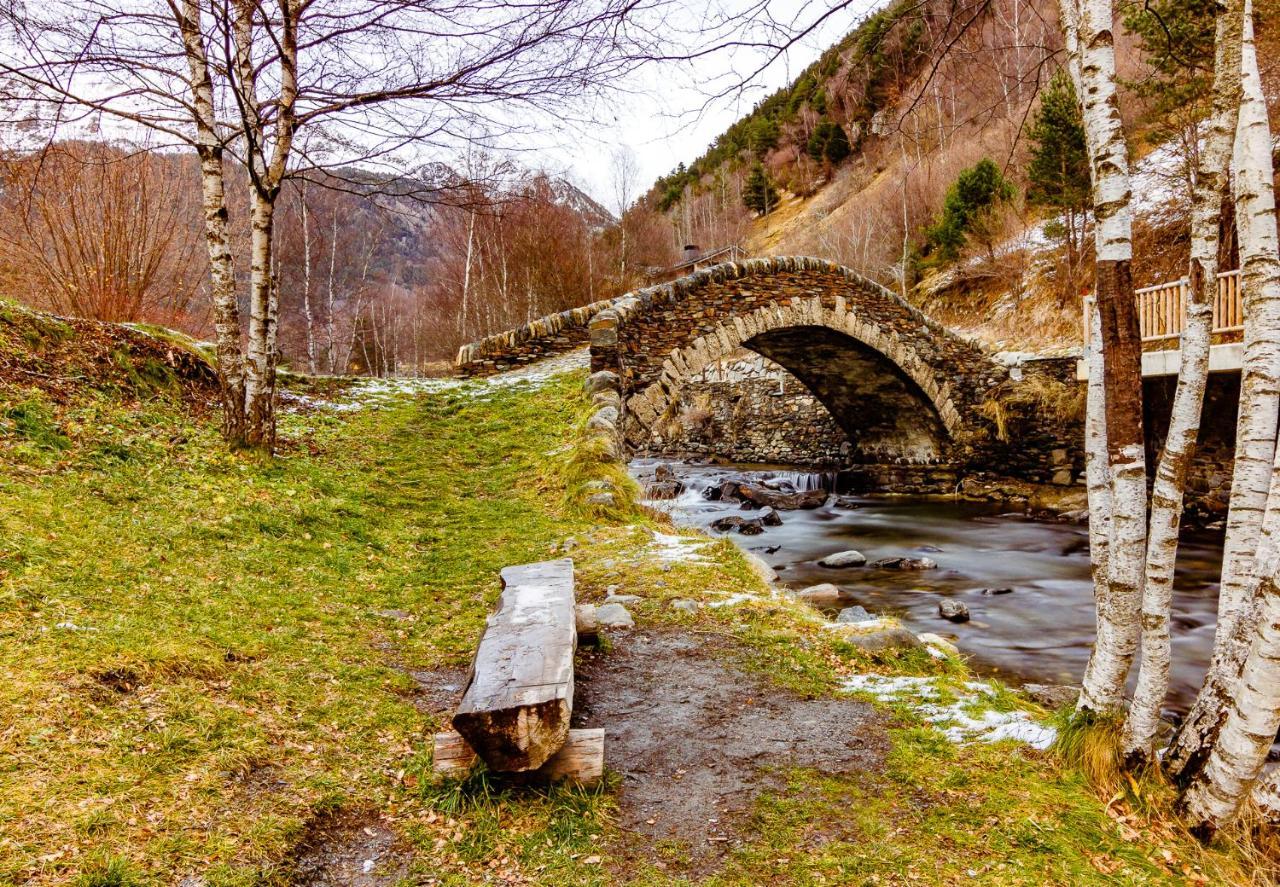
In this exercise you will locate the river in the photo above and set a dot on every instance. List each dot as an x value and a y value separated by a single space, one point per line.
1040 632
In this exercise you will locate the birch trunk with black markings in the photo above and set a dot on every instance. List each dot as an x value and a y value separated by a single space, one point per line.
1254 518
1212 182
1088 32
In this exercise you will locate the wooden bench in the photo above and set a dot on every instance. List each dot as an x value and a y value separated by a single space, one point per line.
515 710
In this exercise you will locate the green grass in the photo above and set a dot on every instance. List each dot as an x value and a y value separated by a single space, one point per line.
195 668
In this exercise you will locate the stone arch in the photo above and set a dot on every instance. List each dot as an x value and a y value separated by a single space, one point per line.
656 337
649 404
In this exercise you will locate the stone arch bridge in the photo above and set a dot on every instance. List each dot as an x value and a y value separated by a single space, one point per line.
902 387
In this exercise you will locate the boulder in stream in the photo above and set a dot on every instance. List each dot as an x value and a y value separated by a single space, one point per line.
953 611
842 559
905 563
824 595
761 496
663 489
747 526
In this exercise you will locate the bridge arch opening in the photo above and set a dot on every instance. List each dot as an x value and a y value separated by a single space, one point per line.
882 411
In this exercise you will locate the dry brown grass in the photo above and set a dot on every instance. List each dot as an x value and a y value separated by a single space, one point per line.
1061 403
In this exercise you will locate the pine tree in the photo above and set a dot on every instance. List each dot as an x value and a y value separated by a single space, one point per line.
1059 168
829 142
759 194
968 209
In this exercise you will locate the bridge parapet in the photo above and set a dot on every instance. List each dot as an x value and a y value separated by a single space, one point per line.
539 338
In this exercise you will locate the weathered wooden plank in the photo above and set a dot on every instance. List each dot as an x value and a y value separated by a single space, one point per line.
519 696
579 760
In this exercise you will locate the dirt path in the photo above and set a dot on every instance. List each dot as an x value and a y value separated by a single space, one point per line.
695 739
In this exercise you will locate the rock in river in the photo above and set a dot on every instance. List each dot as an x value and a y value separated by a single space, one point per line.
762 496
824 595
843 559
905 563
753 526
954 611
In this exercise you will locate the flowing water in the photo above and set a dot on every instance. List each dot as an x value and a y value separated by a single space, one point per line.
1038 633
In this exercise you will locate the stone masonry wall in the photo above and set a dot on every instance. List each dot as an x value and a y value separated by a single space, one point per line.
749 409
543 337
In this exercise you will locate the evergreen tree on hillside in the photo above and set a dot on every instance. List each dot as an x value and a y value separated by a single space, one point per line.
759 194
1059 168
763 135
1176 37
829 142
969 210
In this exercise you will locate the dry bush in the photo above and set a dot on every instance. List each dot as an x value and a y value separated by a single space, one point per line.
1060 403
697 415
96 231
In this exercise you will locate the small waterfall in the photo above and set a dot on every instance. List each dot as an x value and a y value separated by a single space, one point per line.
800 481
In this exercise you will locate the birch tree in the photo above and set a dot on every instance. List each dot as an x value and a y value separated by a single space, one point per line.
1234 759
1254 516
1210 194
1115 406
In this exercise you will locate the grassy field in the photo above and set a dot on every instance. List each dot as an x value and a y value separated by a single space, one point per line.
206 658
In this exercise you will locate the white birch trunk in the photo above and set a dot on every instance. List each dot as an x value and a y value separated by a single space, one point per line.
1215 795
1211 190
222 281
331 333
1088 33
259 381
308 314
466 276
1266 796
1239 749
1255 500
1098 486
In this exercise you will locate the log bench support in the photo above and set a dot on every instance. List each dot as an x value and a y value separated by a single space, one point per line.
515 710
580 760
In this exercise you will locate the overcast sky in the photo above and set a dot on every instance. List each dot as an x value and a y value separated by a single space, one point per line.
665 117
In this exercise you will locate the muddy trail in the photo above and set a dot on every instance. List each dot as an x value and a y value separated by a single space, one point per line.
694 739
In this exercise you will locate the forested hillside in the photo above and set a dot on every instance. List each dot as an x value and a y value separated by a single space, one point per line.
938 149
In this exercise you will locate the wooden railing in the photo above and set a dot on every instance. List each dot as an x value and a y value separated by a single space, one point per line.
1162 309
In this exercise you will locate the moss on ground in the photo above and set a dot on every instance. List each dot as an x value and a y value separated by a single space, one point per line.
198 664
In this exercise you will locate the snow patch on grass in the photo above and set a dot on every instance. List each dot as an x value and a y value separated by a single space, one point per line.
379 393
963 719
672 549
